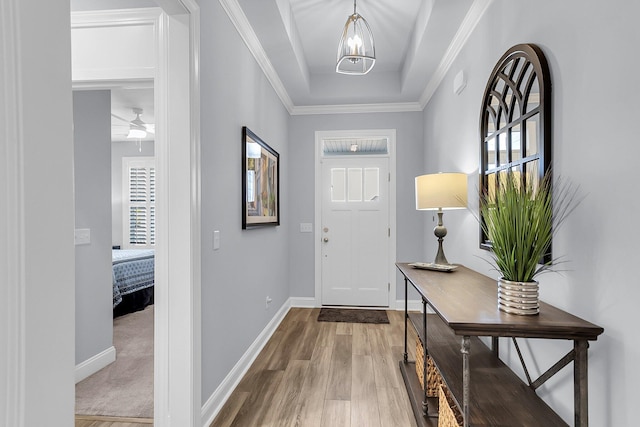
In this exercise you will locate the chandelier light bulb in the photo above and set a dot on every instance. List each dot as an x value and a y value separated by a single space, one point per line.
356 50
355 45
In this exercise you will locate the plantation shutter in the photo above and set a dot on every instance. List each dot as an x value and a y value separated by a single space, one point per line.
140 199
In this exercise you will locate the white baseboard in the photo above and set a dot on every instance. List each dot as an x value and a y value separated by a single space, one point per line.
214 404
412 305
95 363
303 302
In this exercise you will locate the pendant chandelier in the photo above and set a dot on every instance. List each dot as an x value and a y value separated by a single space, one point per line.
356 51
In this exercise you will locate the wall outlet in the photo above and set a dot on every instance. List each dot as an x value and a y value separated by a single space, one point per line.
268 301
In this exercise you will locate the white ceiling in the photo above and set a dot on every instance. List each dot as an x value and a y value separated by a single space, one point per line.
295 42
300 39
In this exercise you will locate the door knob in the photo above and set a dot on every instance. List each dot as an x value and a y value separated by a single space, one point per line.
326 239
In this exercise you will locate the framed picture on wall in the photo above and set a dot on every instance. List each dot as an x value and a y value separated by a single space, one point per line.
260 182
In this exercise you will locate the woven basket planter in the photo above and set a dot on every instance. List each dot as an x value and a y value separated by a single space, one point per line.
518 297
433 376
448 413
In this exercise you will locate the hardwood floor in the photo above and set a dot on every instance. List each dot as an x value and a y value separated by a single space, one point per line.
317 374
97 421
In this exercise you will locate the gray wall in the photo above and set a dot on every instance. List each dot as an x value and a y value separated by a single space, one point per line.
120 149
250 264
409 154
92 180
36 215
590 46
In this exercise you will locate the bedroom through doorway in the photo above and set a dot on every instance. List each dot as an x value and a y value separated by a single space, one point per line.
175 52
115 181
124 388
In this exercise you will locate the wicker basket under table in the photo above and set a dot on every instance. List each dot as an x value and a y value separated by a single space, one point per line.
448 413
434 380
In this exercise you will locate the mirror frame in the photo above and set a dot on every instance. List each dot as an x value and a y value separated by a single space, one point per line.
509 95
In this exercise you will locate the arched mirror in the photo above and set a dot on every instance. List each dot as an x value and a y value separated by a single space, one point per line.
515 120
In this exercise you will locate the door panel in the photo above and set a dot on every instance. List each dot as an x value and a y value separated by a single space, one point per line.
355 231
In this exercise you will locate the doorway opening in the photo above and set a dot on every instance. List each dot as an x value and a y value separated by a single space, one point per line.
177 278
355 218
115 197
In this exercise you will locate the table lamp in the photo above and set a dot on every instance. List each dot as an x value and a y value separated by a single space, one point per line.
437 192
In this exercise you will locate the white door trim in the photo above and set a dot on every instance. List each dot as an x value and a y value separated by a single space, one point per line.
319 137
177 376
177 343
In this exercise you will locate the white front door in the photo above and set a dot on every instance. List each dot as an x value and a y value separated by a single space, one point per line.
355 231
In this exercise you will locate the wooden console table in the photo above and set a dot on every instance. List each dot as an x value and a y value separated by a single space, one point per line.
487 392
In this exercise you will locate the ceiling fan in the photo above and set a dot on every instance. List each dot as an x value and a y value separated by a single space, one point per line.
136 129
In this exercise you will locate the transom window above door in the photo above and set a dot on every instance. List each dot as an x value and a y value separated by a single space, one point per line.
355 146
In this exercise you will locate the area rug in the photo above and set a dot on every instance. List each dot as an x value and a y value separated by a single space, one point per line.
352 316
125 387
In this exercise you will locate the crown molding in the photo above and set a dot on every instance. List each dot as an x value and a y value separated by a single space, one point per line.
126 83
399 107
115 17
240 21
471 20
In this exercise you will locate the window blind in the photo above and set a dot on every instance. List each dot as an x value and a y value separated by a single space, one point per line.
140 198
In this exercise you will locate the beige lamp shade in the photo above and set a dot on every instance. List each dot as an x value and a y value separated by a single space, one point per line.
441 191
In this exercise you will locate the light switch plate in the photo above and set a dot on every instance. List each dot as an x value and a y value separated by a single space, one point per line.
82 236
216 240
306 227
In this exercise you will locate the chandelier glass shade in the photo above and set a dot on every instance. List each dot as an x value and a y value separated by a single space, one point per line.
356 50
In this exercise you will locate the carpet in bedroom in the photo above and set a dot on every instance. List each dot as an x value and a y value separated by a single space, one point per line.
125 387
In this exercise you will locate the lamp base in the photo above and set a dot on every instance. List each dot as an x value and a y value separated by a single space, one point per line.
440 231
440 258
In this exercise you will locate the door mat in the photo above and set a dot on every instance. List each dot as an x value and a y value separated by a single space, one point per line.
352 316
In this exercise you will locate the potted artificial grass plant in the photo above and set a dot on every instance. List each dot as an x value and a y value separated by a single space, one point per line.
519 217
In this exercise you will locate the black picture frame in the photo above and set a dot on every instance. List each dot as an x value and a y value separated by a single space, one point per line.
260 182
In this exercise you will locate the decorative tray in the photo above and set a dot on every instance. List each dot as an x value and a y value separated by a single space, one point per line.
433 266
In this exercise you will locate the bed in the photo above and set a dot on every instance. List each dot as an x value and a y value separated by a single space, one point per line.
133 278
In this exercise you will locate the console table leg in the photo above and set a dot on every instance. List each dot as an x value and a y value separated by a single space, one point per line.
406 316
466 378
425 404
580 384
